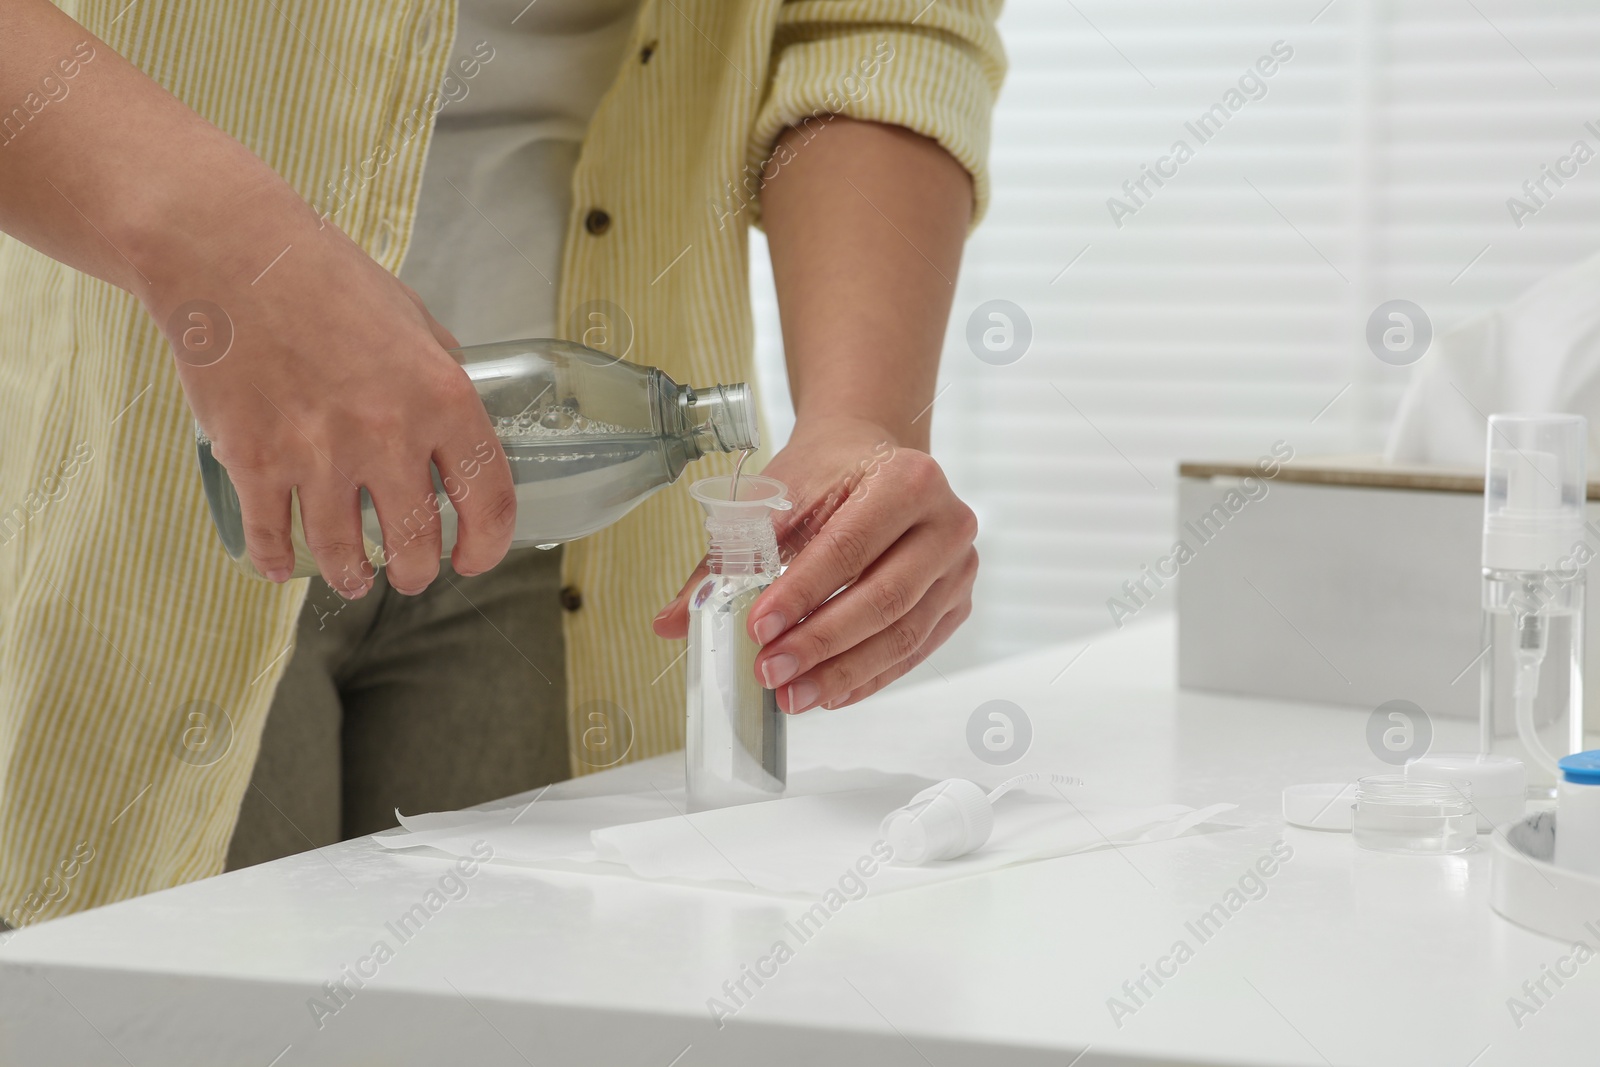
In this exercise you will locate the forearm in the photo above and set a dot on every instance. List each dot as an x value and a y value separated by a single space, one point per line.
865 222
100 167
334 383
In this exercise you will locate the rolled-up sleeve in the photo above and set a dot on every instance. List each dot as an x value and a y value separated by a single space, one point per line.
934 68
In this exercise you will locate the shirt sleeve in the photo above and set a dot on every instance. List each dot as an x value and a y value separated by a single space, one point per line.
932 67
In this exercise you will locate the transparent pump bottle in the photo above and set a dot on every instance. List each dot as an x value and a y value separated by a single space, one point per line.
734 741
1531 682
588 437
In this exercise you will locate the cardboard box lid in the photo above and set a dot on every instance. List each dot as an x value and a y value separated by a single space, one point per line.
1360 470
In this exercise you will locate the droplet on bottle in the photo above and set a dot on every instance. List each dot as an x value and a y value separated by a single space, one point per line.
546 548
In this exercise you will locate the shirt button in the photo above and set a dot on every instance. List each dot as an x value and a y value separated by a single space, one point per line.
571 599
646 52
597 222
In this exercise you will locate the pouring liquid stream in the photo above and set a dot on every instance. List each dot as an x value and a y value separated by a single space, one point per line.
738 465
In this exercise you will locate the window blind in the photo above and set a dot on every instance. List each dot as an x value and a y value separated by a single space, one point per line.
1208 301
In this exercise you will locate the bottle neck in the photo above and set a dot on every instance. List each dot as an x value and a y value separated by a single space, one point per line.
742 546
721 418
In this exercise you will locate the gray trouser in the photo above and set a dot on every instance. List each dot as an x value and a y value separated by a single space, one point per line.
425 703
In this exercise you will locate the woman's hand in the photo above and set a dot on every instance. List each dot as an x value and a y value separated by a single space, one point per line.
881 566
865 225
337 380
312 368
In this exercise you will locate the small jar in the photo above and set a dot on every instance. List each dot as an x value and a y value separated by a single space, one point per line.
1394 814
1578 813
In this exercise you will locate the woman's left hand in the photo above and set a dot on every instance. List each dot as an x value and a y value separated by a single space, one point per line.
881 566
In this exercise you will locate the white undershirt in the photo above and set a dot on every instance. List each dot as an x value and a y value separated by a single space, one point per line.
524 81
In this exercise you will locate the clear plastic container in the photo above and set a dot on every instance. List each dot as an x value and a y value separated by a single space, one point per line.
588 438
1394 814
1531 681
734 742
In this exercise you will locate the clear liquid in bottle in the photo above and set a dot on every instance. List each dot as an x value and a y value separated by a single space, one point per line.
734 745
587 436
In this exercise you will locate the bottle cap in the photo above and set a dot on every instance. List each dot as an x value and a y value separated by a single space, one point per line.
1581 768
1534 491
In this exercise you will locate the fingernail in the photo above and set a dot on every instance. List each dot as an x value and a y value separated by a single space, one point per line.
779 669
768 627
664 612
278 574
801 696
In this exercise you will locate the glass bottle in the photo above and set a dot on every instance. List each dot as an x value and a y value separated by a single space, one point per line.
1531 679
588 437
734 741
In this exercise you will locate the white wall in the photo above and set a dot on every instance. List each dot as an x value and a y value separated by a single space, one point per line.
1229 310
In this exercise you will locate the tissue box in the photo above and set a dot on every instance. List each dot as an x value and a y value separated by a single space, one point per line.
1345 581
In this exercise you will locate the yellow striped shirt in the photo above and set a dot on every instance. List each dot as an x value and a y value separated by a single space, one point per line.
119 615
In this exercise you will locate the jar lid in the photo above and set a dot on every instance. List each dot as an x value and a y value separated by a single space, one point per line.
1582 768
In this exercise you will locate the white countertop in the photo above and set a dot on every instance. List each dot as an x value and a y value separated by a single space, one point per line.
1349 957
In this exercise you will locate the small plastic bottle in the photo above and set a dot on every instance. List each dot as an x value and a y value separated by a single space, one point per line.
1531 683
734 741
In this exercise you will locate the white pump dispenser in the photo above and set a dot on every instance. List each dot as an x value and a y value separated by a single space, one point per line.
1535 488
1533 491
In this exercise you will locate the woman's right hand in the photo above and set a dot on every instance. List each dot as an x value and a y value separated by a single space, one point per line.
336 377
